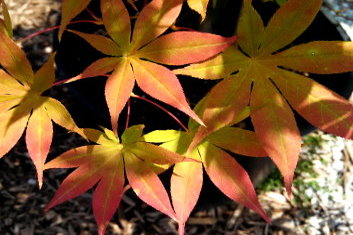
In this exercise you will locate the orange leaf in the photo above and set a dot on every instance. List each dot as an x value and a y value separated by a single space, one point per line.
14 60
276 128
118 90
154 19
181 48
317 104
39 136
147 185
186 184
221 110
10 133
162 84
9 85
97 68
70 9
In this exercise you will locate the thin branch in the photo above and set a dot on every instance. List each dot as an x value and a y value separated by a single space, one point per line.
128 114
162 108
54 28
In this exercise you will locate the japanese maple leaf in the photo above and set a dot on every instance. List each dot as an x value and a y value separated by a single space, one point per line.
138 57
200 6
70 9
223 169
256 72
21 104
103 164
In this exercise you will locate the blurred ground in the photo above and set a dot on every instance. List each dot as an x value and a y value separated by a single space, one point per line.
322 202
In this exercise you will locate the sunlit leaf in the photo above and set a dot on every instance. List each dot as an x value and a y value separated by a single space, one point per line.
154 19
70 9
322 57
288 23
118 90
179 48
14 60
276 127
200 6
116 21
39 136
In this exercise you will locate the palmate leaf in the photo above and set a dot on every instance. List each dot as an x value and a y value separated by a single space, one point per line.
275 80
103 164
223 170
135 57
21 105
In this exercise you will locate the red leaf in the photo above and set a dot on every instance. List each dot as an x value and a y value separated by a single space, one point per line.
97 68
154 19
317 104
78 182
108 194
147 185
162 84
181 48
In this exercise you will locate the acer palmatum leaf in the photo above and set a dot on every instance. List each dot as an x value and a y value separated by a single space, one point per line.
146 43
274 84
224 171
103 164
22 104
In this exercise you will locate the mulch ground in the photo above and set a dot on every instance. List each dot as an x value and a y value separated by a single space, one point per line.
22 203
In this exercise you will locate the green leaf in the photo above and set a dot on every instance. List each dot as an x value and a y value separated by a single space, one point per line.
132 134
288 23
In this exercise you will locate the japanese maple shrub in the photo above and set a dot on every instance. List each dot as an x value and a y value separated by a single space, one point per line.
261 79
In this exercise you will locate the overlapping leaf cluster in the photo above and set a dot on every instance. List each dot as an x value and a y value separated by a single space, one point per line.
260 80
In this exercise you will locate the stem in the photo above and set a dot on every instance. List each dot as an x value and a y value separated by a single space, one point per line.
162 108
128 114
53 28
68 79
